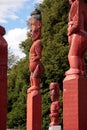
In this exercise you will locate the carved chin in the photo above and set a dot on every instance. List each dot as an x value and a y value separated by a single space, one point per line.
35 38
52 98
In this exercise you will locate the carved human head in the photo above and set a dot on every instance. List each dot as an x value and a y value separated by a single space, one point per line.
35 24
54 91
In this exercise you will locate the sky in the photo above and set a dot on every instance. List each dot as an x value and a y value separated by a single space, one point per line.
14 15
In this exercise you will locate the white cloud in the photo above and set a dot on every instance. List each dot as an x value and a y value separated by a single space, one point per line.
14 38
39 1
8 9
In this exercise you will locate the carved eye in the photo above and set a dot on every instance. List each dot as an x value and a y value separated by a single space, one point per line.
36 30
30 30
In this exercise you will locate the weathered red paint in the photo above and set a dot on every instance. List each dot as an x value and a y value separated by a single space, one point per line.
75 104
77 37
34 100
34 110
54 109
3 80
75 83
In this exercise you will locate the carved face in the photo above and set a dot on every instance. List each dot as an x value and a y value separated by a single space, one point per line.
54 93
35 28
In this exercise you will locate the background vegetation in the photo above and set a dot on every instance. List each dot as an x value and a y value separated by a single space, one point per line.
55 51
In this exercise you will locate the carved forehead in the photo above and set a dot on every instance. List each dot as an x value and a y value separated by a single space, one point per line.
54 86
33 20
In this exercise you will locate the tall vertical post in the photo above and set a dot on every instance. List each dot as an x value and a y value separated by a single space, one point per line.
3 79
74 104
34 100
75 82
34 110
55 106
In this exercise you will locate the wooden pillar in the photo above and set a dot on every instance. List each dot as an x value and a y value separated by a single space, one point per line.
34 110
3 80
75 104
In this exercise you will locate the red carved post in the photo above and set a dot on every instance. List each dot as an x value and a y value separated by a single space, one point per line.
77 37
54 109
34 100
75 83
3 79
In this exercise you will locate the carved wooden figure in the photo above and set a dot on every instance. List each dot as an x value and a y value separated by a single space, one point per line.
36 67
77 37
54 109
34 99
75 82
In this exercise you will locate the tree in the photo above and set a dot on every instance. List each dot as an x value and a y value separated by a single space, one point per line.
11 59
18 80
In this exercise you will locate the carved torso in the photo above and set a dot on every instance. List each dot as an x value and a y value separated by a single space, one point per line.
55 107
35 54
36 50
77 17
77 38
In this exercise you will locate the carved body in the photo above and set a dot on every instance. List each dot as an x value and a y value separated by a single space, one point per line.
77 37
54 109
34 99
54 113
35 66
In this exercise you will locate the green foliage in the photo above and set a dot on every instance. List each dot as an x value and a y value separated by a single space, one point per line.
25 46
54 59
18 80
11 59
54 37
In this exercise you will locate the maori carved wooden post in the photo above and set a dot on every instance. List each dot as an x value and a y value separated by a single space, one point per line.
75 82
54 109
55 106
34 100
3 79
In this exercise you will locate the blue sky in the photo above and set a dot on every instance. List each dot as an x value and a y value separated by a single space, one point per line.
13 16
